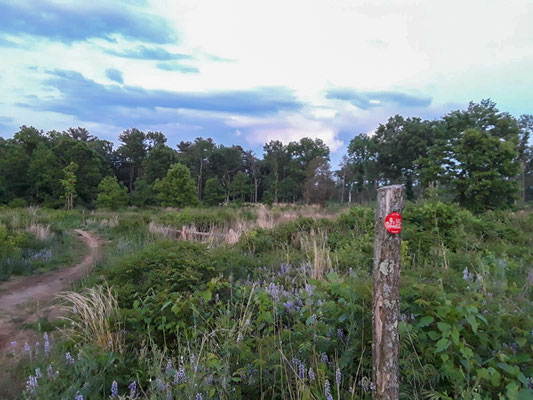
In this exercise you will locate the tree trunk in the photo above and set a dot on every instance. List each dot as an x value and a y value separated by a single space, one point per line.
386 298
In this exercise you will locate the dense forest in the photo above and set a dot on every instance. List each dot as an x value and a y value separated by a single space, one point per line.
479 157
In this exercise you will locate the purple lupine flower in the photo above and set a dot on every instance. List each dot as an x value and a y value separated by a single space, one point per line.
466 275
338 376
50 372
13 344
308 289
133 389
324 358
31 384
311 374
301 370
160 384
69 358
38 374
114 389
327 390
46 344
340 333
289 305
199 396
168 367
27 347
79 396
180 377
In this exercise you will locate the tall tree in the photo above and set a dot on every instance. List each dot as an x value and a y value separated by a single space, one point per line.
319 184
214 194
195 155
111 193
225 163
276 159
177 188
132 152
157 162
240 187
69 185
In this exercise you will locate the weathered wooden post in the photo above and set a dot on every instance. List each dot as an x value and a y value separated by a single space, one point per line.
386 297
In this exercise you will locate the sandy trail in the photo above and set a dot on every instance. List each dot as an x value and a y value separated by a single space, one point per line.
25 299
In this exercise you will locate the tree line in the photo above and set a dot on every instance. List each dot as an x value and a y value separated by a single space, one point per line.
479 157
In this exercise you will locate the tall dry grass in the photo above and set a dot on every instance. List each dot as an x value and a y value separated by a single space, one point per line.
40 231
315 247
93 317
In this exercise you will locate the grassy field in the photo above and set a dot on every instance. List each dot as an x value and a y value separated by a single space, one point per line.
275 303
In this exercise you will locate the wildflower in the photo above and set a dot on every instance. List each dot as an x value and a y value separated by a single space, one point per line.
180 376
466 275
311 374
289 305
50 372
308 289
133 389
13 344
327 391
340 333
38 374
199 396
367 384
46 343
160 384
79 396
27 347
31 384
114 389
324 358
338 376
69 358
168 367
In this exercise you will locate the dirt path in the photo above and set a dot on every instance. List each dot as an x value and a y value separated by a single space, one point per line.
26 299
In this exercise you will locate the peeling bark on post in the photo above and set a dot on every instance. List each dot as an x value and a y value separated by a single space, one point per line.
386 297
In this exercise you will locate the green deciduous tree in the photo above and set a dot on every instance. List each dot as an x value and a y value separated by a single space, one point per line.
241 186
69 185
177 188
111 193
214 194
143 194
485 171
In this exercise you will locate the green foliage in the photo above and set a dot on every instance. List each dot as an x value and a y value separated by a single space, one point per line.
240 187
143 194
69 185
485 164
243 321
111 194
176 189
203 218
214 192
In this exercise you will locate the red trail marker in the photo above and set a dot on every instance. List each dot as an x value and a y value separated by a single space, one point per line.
393 223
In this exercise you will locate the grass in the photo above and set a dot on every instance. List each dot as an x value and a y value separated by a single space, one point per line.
287 307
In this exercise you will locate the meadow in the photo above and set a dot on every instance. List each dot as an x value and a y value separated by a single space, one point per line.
275 303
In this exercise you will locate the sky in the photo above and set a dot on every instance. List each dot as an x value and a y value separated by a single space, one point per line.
247 71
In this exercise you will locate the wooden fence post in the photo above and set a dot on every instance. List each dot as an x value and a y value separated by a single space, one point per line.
385 294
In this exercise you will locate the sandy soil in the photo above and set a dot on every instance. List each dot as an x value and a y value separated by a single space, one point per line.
28 298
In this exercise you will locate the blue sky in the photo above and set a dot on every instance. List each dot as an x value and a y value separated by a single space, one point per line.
246 71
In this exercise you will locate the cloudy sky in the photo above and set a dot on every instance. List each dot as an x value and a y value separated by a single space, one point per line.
248 71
